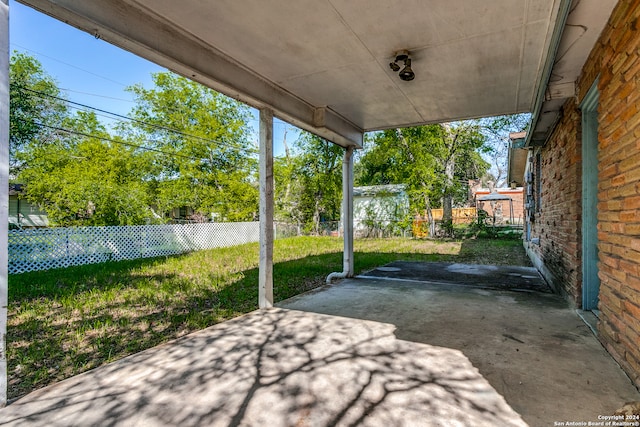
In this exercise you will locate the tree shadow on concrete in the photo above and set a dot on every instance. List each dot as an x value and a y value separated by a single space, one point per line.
276 367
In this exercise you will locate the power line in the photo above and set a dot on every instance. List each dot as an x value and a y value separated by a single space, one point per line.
276 122
141 122
97 95
119 115
70 65
128 144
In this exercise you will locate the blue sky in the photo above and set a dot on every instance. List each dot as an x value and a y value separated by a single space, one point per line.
89 70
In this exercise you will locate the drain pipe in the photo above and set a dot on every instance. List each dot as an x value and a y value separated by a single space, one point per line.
347 217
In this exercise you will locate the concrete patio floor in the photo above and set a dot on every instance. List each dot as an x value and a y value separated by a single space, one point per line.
374 351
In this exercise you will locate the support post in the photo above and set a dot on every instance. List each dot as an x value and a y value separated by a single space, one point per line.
4 194
347 217
347 209
265 273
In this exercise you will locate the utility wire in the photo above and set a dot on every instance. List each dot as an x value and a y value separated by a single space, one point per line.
97 95
69 65
128 144
276 122
42 94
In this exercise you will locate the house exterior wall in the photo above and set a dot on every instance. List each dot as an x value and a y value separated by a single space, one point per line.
23 214
555 216
615 63
377 206
616 58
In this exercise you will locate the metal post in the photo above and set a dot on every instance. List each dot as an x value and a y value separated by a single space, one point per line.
4 193
265 273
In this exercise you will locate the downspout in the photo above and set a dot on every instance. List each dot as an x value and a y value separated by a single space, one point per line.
347 217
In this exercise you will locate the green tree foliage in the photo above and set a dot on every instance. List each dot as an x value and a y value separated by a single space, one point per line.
32 103
308 182
210 166
88 180
186 147
434 161
68 162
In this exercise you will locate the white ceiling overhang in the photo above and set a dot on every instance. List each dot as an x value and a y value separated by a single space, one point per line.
582 25
323 65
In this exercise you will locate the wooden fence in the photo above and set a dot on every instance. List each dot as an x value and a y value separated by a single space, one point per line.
420 226
459 215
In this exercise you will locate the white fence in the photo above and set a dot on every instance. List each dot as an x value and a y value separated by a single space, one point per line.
31 250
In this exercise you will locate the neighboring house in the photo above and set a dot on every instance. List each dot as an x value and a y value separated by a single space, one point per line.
379 208
23 214
582 178
181 214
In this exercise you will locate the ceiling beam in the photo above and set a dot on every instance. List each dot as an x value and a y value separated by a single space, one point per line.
144 34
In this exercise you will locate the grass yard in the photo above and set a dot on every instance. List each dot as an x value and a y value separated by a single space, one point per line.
66 321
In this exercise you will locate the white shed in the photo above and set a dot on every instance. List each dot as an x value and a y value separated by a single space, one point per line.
22 213
379 208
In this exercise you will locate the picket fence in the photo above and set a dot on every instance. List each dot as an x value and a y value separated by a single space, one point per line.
43 249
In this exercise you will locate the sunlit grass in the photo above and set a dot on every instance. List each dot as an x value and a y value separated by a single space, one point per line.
66 321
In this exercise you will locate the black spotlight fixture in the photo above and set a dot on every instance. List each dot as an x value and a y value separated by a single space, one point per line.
406 73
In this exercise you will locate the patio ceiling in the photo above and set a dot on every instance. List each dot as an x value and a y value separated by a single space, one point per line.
324 64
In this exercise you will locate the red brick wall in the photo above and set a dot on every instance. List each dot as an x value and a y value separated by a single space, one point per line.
557 221
615 59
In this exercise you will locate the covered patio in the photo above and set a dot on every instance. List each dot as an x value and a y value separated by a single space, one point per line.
370 351
375 351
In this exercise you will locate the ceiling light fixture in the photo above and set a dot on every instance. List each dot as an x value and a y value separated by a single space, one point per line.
406 73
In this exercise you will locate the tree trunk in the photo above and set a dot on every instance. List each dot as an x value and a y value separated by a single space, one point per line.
449 172
447 199
316 217
432 224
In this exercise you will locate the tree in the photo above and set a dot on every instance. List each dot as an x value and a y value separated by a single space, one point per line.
69 165
34 104
496 131
460 141
207 162
86 177
434 161
186 146
286 189
308 183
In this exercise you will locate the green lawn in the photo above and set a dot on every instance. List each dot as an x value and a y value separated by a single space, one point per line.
66 321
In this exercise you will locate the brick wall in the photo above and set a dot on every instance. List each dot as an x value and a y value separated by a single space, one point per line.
615 59
557 219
